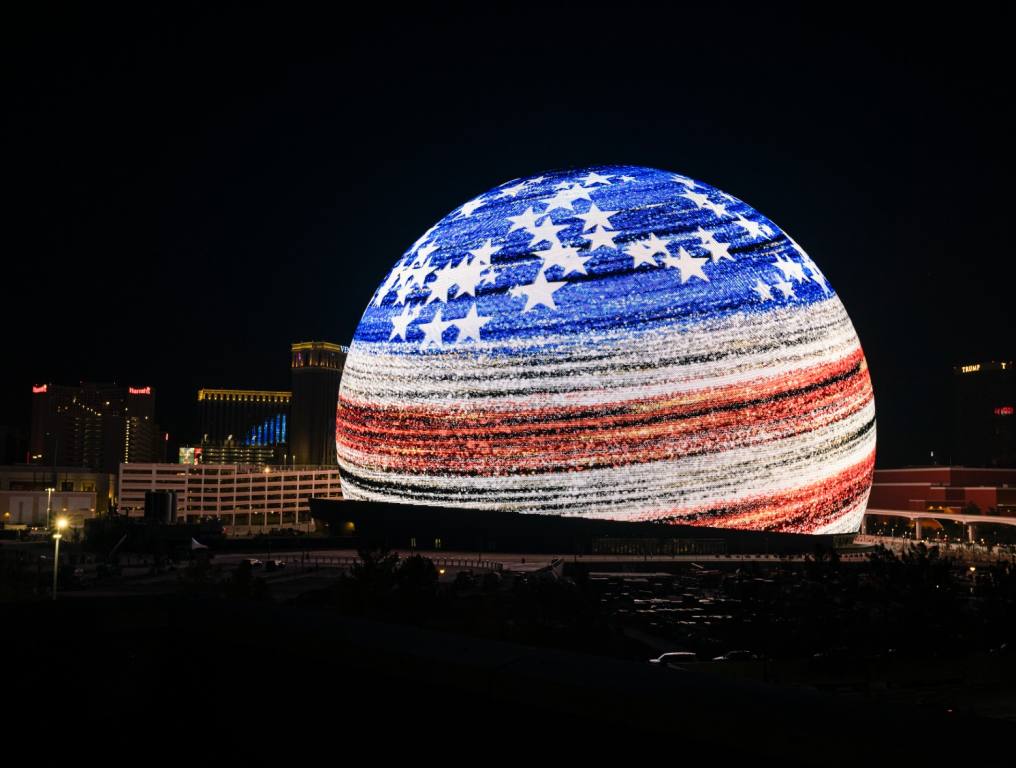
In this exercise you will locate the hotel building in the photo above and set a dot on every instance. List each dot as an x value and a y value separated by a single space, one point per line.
246 499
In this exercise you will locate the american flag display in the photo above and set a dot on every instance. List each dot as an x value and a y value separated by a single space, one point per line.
617 342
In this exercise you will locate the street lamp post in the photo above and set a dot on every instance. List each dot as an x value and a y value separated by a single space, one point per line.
268 538
61 523
49 507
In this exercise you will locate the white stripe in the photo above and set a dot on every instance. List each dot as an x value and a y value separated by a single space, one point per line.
712 480
622 365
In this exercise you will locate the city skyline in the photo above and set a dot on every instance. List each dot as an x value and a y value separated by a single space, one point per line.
220 198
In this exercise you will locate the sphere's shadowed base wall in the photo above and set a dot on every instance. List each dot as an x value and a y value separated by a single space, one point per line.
478 530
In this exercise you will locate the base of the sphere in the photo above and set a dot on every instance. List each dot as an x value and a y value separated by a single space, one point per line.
406 526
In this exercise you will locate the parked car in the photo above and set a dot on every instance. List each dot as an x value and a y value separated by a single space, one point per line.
252 562
737 656
275 565
675 657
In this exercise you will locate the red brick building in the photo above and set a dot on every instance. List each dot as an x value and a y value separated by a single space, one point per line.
945 489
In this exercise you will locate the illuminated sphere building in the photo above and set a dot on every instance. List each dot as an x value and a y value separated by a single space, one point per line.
618 342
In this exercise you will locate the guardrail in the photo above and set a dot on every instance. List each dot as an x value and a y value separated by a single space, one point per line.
347 561
967 551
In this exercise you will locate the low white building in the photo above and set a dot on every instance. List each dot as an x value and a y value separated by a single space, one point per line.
245 499
31 508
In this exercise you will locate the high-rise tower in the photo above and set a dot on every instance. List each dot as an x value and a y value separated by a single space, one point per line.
317 370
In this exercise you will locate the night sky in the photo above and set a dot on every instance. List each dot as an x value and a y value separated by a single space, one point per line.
191 191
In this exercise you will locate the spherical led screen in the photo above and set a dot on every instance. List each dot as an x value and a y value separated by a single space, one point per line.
616 342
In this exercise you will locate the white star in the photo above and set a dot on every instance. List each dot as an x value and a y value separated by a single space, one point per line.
753 228
565 198
433 330
655 245
467 275
444 279
689 265
563 185
716 208
484 252
389 284
790 269
765 293
472 205
669 260
400 323
513 191
580 193
403 293
536 180
490 277
546 231
679 179
816 274
563 256
470 325
797 247
787 289
526 220
601 238
594 216
419 272
425 250
699 198
641 252
539 292
717 250
594 178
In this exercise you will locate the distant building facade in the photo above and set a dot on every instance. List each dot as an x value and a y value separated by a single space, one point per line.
984 402
77 494
241 426
931 500
317 370
93 425
244 499
945 489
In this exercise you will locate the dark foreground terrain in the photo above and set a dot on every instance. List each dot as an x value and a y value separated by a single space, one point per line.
123 678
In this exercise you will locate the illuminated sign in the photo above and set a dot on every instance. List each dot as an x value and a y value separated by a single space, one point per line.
1005 410
971 368
40 389
189 455
620 343
139 390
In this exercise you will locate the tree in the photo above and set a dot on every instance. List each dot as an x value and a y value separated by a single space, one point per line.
375 569
417 573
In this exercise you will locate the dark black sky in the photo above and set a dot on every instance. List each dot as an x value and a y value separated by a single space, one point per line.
191 190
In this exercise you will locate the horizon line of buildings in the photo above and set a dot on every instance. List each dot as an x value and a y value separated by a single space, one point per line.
292 433
98 426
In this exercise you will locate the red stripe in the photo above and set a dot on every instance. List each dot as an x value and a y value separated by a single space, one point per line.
459 440
800 510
